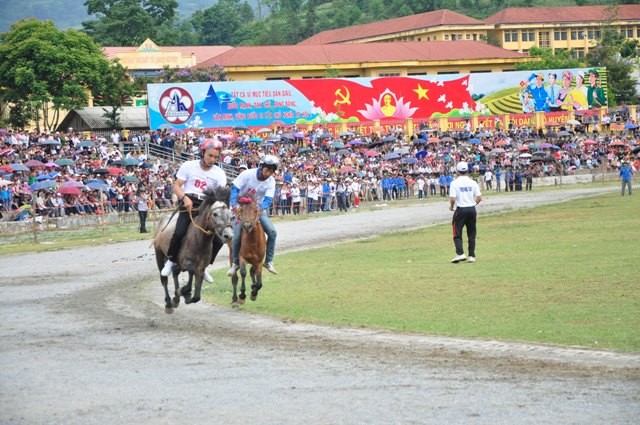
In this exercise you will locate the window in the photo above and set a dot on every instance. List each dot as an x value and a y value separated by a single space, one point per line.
479 71
475 36
388 74
468 37
559 35
577 53
510 36
577 34
416 73
446 36
528 36
447 72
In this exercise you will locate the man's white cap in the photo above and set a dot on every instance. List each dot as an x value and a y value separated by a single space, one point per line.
462 166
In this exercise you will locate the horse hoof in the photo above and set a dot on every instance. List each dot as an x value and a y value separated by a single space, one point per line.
168 310
195 300
235 305
175 302
253 297
241 301
187 299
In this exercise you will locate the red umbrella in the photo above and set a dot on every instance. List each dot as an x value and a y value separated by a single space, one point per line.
69 190
618 143
371 153
590 142
433 140
6 168
523 148
347 169
33 163
115 171
501 143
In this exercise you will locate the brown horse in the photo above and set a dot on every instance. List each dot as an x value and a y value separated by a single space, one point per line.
253 246
211 225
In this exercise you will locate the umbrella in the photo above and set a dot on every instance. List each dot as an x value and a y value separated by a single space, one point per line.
51 165
376 143
356 142
551 134
590 142
523 148
19 167
392 156
64 161
44 184
267 144
574 122
33 163
484 134
72 183
474 141
264 130
325 136
69 190
337 145
563 133
545 146
95 185
434 140
131 179
114 171
100 171
6 151
131 161
421 154
419 142
371 153
409 160
226 137
501 143
630 126
118 162
51 142
304 150
274 138
343 152
447 139
6 168
4 182
86 144
256 140
345 134
43 177
239 127
388 139
288 136
498 150
614 143
298 135
347 169
525 155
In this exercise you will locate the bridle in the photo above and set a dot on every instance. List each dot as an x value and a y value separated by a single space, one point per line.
253 221
209 222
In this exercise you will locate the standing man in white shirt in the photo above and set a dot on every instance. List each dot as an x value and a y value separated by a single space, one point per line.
488 179
464 195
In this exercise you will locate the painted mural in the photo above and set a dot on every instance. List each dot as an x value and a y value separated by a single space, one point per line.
251 104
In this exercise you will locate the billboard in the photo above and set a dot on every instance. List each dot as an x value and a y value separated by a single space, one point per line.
268 103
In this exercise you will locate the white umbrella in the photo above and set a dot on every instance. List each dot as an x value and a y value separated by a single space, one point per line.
574 122
525 155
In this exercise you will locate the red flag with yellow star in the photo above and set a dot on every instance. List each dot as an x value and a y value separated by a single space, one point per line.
387 97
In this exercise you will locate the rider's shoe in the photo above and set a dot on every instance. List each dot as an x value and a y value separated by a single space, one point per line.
269 266
167 269
458 258
232 270
207 277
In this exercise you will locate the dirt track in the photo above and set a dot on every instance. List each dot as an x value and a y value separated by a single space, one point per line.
85 340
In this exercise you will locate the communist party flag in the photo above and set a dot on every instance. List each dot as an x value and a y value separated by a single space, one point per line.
386 97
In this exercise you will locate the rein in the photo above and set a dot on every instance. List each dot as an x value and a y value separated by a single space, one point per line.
206 231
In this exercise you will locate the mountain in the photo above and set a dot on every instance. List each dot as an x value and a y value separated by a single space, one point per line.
71 13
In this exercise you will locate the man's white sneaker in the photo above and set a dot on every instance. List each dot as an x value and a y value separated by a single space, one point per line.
167 269
207 277
269 266
232 270
459 258
471 259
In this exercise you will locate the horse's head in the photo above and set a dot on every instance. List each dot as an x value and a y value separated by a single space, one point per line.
248 212
216 213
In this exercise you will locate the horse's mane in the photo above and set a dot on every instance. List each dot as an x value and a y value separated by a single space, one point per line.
214 194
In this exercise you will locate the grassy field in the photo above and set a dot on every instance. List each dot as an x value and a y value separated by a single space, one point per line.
563 274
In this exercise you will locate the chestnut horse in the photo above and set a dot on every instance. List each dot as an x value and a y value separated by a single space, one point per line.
211 220
253 246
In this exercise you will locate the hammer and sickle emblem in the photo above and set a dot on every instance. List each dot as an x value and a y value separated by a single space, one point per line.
343 98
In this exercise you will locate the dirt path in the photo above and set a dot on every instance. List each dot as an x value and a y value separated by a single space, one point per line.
85 340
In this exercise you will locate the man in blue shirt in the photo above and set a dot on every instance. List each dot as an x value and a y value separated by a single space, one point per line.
538 92
626 173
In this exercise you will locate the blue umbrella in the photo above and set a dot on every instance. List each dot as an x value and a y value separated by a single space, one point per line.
86 144
53 174
392 156
389 139
474 141
45 184
95 181
267 144
409 160
631 126
421 154
94 185
19 167
51 142
256 140
43 177
131 161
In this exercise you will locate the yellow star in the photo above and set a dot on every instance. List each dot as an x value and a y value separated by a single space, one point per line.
421 92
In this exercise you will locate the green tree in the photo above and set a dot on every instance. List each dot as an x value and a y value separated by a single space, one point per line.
127 22
222 23
43 69
113 92
621 87
549 60
192 75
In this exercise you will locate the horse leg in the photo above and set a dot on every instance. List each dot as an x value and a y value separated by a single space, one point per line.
243 273
198 289
256 278
176 293
168 308
185 291
234 296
